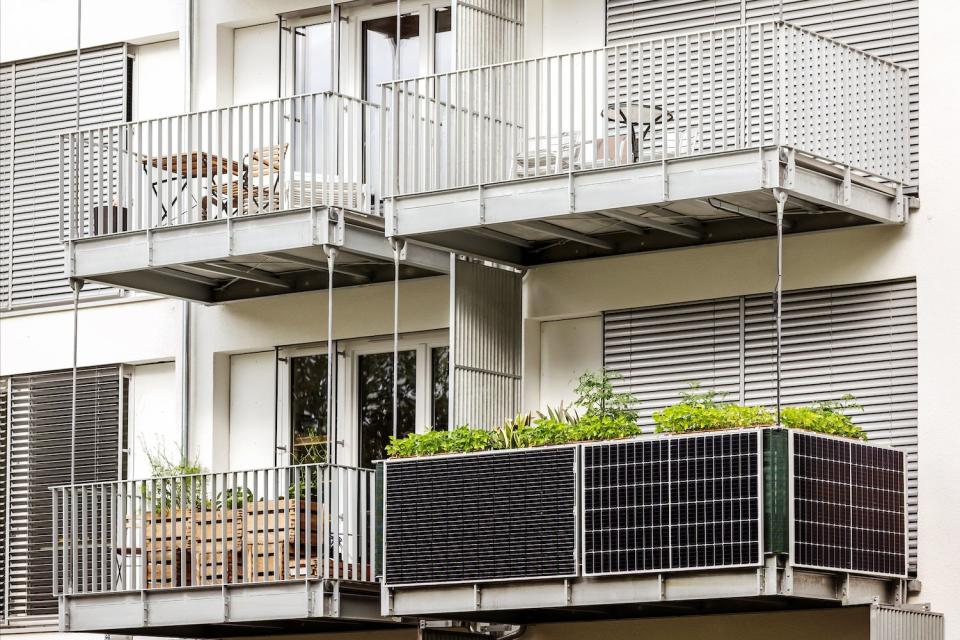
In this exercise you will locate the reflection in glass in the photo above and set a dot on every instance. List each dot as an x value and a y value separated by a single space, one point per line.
308 409
375 394
380 51
440 387
442 42
313 73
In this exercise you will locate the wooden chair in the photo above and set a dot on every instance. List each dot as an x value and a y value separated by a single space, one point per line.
259 185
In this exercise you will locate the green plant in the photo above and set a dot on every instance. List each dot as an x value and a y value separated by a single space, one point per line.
597 396
176 481
233 497
459 440
825 417
510 435
703 410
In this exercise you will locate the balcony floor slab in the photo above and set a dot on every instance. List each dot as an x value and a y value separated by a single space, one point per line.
640 207
251 256
229 611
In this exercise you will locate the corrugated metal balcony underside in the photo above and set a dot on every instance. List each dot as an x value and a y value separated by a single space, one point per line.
657 205
250 256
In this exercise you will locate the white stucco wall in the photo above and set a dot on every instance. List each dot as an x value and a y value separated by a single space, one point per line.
154 423
30 28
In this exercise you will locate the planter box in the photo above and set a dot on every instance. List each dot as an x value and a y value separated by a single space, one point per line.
664 503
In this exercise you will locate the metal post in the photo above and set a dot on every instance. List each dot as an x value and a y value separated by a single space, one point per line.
185 322
331 358
397 247
781 198
76 284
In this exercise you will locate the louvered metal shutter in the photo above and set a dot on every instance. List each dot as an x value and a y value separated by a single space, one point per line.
488 31
6 163
659 351
4 492
40 410
485 344
886 28
857 339
41 102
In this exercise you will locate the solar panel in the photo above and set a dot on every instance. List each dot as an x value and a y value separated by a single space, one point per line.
849 505
481 517
676 502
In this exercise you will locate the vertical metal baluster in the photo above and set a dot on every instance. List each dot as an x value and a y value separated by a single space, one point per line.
239 495
323 541
249 513
312 488
298 503
258 509
277 575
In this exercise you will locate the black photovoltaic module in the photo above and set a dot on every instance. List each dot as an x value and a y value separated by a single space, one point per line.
849 510
481 517
672 503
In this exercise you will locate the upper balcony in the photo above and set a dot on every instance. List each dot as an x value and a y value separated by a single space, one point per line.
266 551
657 143
232 203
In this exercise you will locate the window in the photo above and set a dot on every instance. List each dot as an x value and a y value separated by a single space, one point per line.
363 398
443 52
313 67
375 401
440 387
308 409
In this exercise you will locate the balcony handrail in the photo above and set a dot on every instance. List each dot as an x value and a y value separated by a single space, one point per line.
757 85
200 112
258 157
250 526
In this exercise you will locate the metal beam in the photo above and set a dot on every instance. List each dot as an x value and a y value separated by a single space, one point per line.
569 234
243 273
722 205
633 219
309 263
185 275
503 237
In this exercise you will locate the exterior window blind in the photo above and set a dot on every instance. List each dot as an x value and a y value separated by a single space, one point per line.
38 101
886 28
4 492
858 339
39 438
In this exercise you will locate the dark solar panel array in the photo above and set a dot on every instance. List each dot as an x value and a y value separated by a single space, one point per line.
849 510
481 517
672 503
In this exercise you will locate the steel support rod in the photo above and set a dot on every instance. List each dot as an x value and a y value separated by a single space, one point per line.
781 198
76 284
331 252
396 330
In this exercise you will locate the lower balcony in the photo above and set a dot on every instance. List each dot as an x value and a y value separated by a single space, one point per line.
749 520
261 552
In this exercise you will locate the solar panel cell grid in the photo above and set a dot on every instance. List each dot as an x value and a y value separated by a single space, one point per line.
671 503
849 510
485 517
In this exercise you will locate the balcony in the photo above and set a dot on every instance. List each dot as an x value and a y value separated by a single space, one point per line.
233 203
260 552
747 520
654 144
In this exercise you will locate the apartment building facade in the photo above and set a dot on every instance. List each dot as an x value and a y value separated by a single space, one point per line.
242 244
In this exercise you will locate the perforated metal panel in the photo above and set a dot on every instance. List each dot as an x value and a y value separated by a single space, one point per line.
485 517
678 502
849 510
885 28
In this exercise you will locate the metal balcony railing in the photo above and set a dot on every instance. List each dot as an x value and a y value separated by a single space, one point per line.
728 89
240 527
263 157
